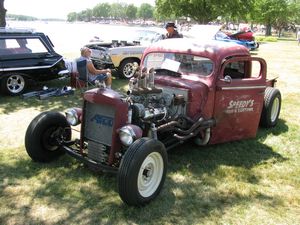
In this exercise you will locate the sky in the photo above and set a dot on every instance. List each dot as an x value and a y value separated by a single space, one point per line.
58 8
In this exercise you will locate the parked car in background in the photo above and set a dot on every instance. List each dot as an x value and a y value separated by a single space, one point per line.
221 36
25 56
122 54
243 35
209 32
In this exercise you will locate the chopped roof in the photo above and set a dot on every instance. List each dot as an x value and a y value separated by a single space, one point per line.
210 48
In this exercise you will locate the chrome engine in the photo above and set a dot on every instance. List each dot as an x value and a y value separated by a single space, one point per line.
162 110
150 103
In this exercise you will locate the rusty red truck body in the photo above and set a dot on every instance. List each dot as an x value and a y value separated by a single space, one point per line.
210 93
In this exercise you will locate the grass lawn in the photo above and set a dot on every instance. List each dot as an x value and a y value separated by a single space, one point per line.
253 181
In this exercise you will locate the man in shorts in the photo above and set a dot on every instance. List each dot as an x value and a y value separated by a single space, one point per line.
93 73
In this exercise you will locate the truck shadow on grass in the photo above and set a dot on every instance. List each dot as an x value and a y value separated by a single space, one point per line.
201 182
214 178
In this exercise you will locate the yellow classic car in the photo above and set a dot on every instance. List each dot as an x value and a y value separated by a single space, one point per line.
122 54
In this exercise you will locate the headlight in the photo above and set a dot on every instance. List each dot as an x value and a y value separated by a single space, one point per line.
72 117
127 135
104 56
107 58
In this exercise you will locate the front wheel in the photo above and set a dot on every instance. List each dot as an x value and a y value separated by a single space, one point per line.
142 172
126 69
271 108
43 135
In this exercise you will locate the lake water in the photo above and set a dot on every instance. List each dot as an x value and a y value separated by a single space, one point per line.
68 38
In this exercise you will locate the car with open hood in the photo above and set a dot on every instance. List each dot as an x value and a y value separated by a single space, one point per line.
122 54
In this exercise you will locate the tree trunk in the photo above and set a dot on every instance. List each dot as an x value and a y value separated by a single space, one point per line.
268 30
279 32
2 14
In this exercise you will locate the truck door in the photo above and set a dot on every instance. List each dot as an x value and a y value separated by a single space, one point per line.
239 99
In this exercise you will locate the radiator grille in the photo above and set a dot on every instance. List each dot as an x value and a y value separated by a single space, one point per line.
99 123
97 152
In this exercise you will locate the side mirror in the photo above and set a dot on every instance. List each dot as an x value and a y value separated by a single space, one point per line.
227 79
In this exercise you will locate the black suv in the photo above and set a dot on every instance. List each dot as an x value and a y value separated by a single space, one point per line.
27 56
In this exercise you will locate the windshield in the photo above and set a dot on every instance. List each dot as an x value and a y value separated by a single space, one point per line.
182 63
221 35
146 36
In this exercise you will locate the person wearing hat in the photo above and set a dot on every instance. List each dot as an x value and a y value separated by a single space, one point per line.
172 32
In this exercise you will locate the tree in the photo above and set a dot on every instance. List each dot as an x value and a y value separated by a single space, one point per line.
145 11
236 10
199 10
102 10
72 16
294 11
2 14
118 10
203 11
276 13
131 11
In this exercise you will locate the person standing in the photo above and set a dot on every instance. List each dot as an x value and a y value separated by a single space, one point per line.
171 31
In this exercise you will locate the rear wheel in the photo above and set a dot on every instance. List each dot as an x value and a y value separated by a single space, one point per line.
142 172
271 108
13 84
42 135
126 69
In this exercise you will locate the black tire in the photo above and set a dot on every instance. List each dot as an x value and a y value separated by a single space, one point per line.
138 186
42 133
126 68
271 107
13 84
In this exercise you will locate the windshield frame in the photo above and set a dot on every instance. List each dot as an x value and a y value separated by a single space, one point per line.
177 66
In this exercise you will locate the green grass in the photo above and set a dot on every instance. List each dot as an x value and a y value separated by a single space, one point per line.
252 181
266 39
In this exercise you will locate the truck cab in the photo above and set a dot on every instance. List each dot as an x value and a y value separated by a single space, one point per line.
226 84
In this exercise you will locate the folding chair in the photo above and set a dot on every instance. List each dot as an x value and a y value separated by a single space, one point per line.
82 80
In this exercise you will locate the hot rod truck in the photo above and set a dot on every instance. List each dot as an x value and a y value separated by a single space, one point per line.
210 93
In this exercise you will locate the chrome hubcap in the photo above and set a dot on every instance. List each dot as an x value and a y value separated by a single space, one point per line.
128 70
15 83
